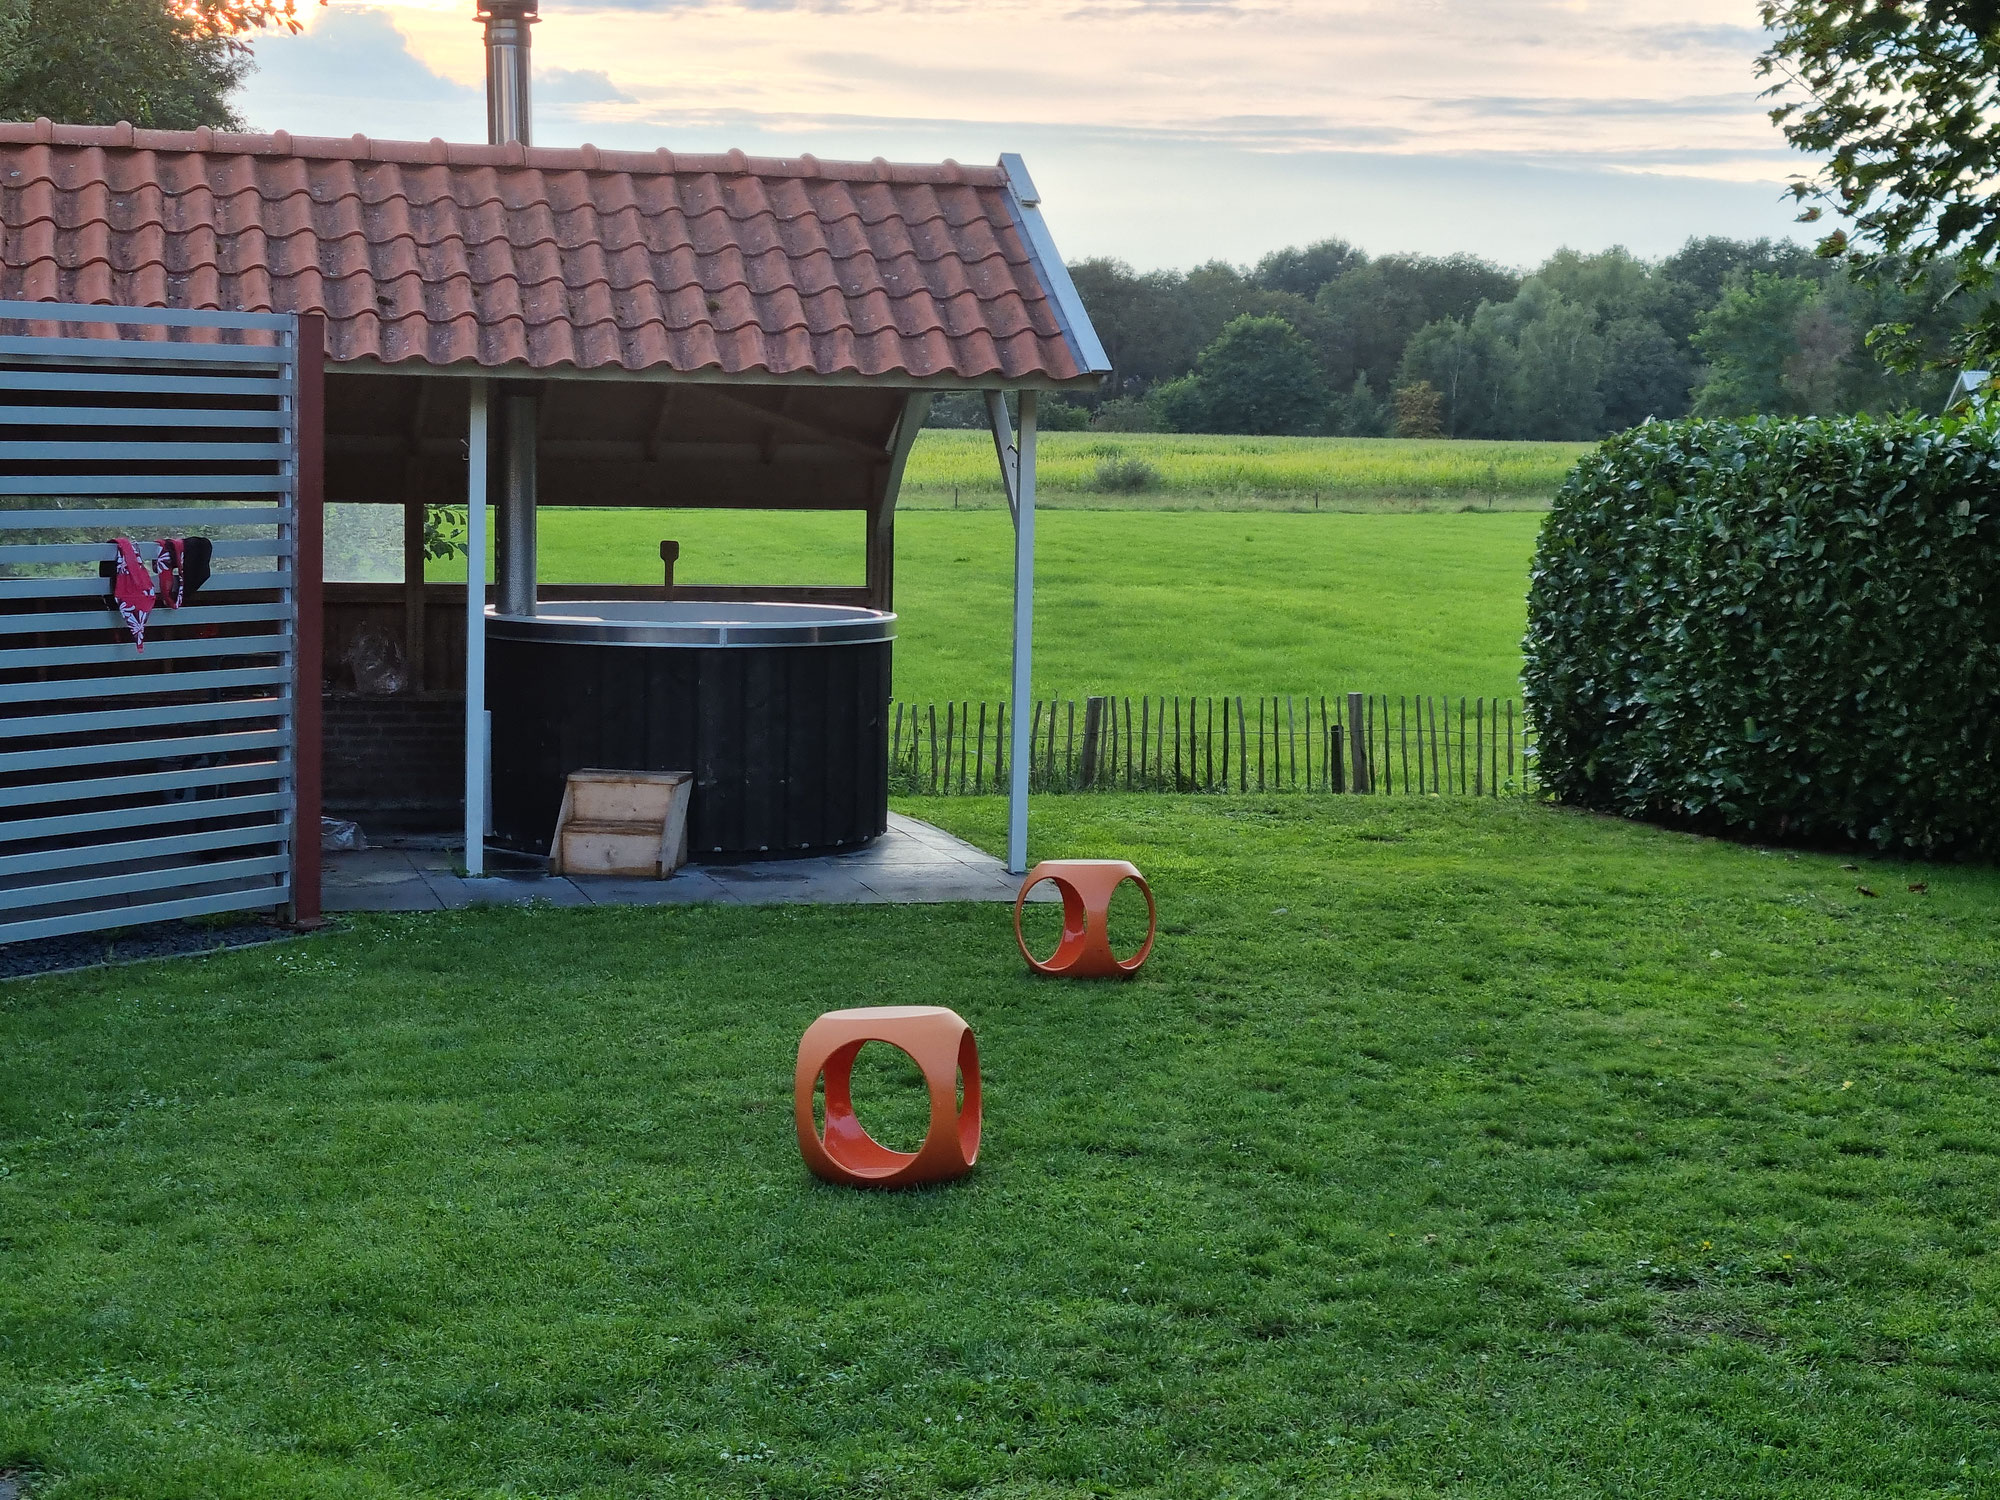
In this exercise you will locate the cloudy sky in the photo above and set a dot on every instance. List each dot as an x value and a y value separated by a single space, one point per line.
1165 132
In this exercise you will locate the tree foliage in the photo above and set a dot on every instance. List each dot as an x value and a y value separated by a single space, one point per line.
1257 378
1902 98
162 64
1585 344
236 18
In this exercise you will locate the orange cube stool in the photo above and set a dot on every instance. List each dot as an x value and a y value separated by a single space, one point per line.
1086 886
940 1043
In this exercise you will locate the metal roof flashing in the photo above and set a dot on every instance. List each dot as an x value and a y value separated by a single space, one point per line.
1049 268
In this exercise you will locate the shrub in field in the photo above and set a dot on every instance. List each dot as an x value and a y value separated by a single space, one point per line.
1123 473
1788 629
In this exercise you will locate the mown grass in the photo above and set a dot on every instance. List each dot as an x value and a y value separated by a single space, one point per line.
1442 1150
1202 472
1187 602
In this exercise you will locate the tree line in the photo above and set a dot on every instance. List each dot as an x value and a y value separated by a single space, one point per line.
1327 339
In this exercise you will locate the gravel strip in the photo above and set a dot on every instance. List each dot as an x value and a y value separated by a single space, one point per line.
126 945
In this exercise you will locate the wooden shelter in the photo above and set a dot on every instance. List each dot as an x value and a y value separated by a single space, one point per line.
588 328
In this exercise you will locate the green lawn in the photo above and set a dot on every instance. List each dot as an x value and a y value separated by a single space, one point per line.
1444 1149
1232 473
1132 602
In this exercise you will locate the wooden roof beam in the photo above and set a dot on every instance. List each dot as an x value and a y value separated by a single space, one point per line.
782 421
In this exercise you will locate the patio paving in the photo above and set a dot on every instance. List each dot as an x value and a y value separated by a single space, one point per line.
912 863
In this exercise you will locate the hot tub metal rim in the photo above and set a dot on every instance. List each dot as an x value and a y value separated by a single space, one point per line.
704 635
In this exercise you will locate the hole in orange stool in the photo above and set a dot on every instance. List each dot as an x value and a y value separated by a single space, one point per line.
846 1140
1129 920
1044 923
970 1110
891 1098
1070 939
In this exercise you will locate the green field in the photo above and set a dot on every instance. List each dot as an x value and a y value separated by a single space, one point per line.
1231 473
1131 602
1443 1150
1410 576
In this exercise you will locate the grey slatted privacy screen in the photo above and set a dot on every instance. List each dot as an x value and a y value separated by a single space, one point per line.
142 785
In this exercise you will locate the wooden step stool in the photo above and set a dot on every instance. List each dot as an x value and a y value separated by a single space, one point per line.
631 823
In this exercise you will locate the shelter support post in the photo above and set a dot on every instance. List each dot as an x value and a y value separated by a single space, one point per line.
1017 475
475 633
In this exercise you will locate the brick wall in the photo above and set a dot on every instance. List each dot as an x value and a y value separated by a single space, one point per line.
396 762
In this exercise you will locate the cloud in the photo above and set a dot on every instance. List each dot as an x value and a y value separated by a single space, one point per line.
1561 107
352 64
577 86
1733 41
1163 131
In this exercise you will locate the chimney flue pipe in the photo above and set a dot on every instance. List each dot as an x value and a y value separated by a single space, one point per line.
509 118
509 105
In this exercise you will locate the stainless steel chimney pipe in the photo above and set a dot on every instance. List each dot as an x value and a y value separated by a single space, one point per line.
509 105
509 118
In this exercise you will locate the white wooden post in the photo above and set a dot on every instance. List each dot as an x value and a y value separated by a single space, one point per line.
475 634
1024 636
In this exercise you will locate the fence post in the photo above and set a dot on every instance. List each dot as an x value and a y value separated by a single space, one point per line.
1357 743
979 759
950 733
1260 742
1479 749
1093 727
1463 783
1403 739
1150 740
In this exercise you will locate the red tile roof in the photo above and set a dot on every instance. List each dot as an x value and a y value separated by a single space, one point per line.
546 258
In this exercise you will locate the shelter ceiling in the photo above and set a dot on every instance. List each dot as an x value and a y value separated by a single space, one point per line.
402 437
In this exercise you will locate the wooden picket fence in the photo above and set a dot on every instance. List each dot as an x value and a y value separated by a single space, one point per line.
1359 743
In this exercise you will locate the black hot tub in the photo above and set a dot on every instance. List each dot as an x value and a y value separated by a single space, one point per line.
779 710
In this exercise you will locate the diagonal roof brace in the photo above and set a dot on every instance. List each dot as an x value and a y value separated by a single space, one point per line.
1008 447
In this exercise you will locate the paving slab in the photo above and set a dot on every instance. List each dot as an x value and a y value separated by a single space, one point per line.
913 862
688 887
400 895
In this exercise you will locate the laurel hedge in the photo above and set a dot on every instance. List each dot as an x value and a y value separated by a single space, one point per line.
1779 629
